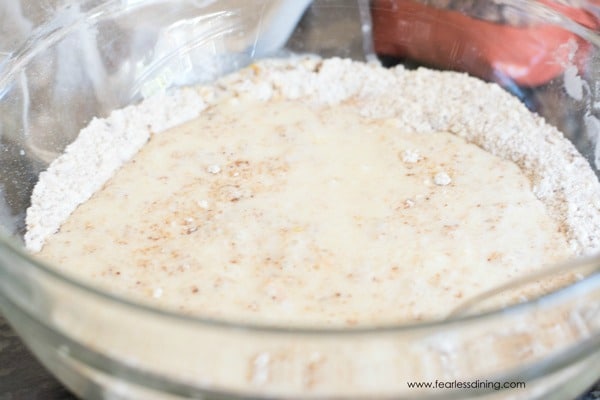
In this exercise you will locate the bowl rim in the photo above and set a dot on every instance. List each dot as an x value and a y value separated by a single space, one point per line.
108 364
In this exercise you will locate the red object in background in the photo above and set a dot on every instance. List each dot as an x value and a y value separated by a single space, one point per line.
528 55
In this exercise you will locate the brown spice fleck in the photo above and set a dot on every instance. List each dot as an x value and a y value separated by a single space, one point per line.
495 256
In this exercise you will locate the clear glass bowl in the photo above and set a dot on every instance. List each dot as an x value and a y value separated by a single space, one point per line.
87 59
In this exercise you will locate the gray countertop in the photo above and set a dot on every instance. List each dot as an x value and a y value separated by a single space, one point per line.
21 375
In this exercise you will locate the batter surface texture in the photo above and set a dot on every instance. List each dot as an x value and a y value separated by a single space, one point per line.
325 192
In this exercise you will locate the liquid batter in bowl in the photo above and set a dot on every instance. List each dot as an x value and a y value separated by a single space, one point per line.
327 193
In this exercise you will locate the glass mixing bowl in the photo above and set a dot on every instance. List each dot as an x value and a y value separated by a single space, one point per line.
85 59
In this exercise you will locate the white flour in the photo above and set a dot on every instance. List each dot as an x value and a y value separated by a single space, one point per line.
423 101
